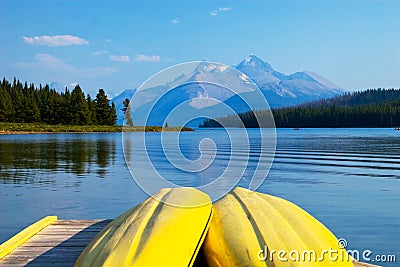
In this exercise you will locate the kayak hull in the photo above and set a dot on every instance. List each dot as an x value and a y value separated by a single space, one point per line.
250 229
154 233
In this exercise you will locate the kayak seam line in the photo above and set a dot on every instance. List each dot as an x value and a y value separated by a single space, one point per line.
143 238
257 231
205 231
285 221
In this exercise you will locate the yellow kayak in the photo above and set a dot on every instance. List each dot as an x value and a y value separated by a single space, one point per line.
154 233
255 229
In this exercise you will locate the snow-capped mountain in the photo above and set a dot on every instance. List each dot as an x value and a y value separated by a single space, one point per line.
285 90
210 86
259 71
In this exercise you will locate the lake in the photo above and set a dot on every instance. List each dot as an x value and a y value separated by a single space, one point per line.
349 179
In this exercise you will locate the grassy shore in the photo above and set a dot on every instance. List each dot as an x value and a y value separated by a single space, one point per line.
10 127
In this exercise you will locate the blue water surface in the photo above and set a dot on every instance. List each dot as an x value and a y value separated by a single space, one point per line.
349 179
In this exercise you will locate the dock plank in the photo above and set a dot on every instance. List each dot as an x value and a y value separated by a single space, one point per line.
59 244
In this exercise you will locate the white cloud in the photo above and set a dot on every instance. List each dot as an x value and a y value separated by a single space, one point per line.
55 40
99 53
175 20
224 8
109 40
220 9
148 58
51 62
54 66
121 58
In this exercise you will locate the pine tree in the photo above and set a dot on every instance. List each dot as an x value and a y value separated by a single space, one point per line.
54 107
127 113
66 111
105 115
92 109
30 110
6 109
43 95
17 97
112 117
79 107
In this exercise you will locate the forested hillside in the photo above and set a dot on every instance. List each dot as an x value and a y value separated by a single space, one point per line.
27 103
359 98
370 108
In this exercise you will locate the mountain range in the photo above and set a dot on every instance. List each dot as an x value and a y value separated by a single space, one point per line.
279 89
285 90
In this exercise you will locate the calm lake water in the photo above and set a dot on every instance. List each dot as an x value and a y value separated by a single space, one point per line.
347 178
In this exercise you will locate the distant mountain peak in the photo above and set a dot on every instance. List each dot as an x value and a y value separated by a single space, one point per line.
259 71
253 58
208 67
253 61
61 88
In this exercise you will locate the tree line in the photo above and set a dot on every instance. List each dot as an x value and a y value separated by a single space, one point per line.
370 108
358 98
27 103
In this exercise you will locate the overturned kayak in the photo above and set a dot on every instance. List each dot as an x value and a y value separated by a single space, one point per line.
154 233
255 229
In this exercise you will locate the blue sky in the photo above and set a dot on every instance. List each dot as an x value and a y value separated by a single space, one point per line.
117 45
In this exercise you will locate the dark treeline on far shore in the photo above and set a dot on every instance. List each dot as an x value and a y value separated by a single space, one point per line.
27 103
370 108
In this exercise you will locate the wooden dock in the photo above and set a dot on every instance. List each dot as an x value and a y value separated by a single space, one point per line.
58 244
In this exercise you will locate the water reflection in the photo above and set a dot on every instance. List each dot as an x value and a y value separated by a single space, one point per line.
33 160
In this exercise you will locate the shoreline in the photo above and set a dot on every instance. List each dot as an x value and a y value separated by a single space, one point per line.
2 132
42 132
28 128
74 132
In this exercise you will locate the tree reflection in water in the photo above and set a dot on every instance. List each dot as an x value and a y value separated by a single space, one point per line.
38 161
